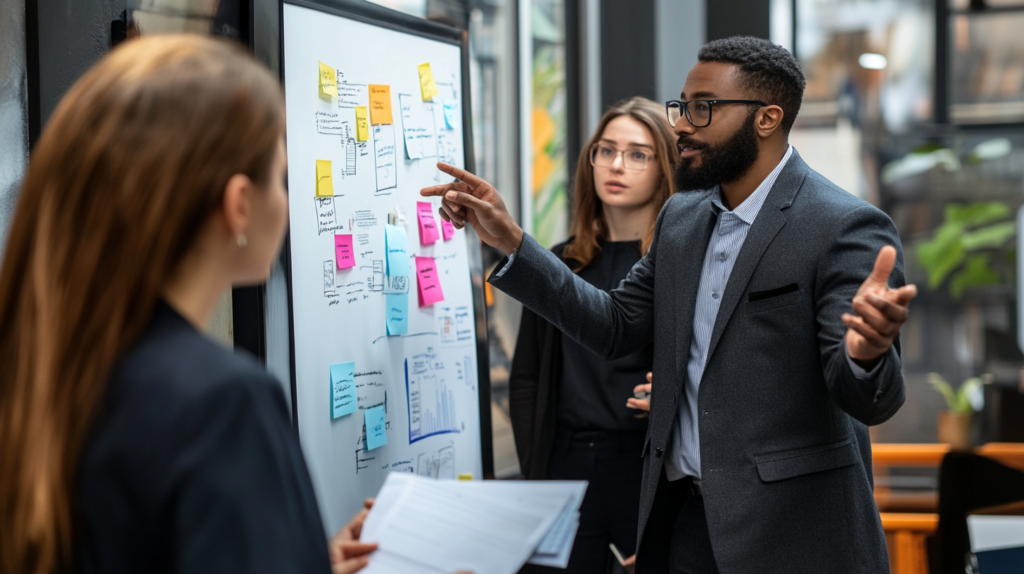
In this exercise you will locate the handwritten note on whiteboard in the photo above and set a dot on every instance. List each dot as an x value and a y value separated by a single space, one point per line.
324 181
328 81
417 128
447 229
396 244
451 114
428 227
428 88
343 251
428 282
384 157
376 427
380 104
397 313
343 389
362 124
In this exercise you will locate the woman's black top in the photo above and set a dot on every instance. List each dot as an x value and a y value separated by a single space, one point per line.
193 466
545 393
593 390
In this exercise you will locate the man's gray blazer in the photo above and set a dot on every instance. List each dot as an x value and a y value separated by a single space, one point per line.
784 450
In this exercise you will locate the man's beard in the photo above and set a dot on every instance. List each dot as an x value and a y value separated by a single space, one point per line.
719 163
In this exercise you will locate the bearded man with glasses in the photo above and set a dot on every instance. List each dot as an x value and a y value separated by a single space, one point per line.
774 301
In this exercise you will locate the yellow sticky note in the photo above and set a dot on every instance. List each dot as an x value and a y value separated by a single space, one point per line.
465 476
328 80
427 86
362 126
380 104
324 181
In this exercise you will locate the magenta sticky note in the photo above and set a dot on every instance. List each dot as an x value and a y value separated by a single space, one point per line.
428 228
344 252
428 281
447 229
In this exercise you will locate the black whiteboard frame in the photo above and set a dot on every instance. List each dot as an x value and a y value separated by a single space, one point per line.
250 305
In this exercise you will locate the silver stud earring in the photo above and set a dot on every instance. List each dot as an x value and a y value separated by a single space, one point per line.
242 240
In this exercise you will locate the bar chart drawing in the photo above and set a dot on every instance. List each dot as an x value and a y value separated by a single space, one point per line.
431 403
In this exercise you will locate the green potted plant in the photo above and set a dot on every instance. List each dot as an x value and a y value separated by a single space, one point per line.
955 422
972 247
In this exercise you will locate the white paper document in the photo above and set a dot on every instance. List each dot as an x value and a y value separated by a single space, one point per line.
556 546
486 527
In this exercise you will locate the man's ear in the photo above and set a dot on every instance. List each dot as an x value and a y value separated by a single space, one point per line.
237 204
769 121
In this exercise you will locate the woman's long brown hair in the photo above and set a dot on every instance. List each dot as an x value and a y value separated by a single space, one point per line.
133 162
588 224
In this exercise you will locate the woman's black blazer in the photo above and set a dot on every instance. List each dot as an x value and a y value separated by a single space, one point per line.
193 466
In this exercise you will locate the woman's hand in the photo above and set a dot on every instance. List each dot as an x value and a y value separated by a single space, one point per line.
473 200
641 404
348 555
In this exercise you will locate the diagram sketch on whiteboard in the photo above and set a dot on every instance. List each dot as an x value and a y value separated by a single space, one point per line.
437 464
431 402
384 157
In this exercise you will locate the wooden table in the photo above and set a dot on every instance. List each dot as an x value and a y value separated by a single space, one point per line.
906 532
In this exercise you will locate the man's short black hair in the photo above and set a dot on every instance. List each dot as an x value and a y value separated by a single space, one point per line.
769 71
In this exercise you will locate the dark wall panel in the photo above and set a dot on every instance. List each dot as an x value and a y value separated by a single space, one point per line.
737 18
72 35
627 50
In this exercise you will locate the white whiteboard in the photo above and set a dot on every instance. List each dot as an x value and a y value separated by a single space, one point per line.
339 315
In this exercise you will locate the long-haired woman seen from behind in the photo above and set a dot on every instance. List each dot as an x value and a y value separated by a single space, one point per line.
128 441
573 412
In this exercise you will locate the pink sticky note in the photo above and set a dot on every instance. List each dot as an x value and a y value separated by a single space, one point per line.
428 281
428 228
343 250
447 229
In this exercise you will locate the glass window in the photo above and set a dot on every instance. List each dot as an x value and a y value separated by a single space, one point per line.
987 67
13 111
546 214
867 61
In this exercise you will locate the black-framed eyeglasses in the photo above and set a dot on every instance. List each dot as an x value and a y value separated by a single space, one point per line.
603 155
698 112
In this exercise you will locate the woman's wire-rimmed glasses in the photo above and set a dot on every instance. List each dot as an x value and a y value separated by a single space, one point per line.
603 155
698 112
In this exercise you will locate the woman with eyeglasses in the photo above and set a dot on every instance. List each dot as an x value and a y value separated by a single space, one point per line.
574 414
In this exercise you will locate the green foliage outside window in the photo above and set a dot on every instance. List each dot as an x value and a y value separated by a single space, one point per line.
972 247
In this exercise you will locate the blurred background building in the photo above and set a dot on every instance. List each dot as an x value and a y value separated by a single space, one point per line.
917 106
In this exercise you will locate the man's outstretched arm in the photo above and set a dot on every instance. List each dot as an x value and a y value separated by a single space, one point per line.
611 325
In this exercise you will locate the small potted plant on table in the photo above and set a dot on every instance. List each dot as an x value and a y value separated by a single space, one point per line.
955 422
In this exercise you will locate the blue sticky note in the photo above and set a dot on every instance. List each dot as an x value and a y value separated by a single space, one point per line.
451 113
396 313
396 243
376 428
343 389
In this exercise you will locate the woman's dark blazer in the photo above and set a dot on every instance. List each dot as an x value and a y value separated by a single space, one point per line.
193 466
533 390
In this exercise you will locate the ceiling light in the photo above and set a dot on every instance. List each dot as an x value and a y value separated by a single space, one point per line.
873 61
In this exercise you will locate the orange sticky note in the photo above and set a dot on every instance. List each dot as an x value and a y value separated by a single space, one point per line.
328 80
362 126
380 104
324 181
428 88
